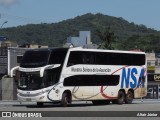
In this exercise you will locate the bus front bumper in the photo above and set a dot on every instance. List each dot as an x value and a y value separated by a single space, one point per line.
29 98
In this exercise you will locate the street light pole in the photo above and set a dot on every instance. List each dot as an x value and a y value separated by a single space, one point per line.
4 23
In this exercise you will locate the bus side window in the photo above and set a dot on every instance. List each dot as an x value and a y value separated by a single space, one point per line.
102 58
57 57
88 57
52 76
75 58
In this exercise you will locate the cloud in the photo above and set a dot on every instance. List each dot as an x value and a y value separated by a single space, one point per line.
7 3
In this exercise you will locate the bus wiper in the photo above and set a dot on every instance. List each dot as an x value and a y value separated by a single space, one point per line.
24 86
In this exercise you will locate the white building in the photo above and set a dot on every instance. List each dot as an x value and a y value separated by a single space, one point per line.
150 59
153 62
83 39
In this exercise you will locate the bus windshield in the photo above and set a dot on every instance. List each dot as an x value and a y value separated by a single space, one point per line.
33 81
30 81
32 59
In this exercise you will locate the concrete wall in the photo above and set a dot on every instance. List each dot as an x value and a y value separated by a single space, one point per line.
7 89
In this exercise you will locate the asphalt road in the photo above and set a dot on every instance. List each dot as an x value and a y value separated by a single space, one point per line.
84 110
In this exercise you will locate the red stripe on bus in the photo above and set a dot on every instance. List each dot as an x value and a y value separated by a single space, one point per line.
105 96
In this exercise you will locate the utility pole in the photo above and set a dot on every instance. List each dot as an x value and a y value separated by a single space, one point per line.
3 24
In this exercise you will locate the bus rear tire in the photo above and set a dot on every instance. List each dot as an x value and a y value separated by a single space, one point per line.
129 97
120 99
40 104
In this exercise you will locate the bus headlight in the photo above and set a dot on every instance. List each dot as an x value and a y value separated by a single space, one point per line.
41 97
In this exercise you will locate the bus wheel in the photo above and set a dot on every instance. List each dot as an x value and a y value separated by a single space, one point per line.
65 100
40 104
121 97
129 97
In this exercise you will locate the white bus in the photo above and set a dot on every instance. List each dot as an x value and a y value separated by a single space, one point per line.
76 74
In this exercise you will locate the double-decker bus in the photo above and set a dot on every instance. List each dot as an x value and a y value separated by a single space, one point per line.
77 74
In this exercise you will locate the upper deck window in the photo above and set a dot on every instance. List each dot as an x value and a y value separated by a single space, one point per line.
106 58
57 56
35 58
40 58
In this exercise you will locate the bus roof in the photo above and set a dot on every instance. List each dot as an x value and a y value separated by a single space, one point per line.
85 49
102 50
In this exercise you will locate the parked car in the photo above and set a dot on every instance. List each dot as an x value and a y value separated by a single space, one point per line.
150 93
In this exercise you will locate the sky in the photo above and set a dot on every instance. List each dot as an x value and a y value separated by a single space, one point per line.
21 12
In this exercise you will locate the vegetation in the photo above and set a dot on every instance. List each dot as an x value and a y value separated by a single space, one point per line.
107 36
128 35
148 43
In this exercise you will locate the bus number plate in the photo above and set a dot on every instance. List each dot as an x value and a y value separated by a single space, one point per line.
28 99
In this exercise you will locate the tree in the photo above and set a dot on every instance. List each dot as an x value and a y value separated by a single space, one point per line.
107 36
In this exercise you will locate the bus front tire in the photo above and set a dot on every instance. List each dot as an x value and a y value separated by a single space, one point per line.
65 100
129 97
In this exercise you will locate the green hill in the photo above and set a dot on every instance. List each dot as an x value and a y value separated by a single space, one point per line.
129 35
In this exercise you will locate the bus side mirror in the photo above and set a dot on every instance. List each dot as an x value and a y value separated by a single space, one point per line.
16 77
12 71
48 67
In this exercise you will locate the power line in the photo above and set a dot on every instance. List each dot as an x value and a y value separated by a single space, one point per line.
21 18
